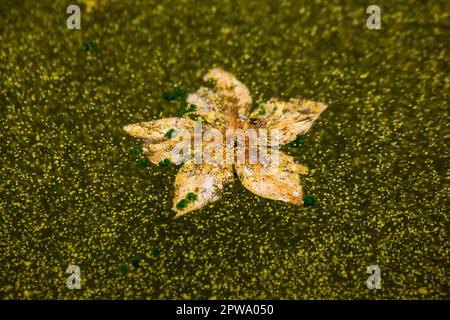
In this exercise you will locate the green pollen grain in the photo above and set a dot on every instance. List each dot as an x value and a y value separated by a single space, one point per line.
170 133
262 111
192 108
164 163
135 262
181 93
89 45
195 117
169 96
156 251
124 268
137 149
192 197
182 204
298 142
145 163
309 201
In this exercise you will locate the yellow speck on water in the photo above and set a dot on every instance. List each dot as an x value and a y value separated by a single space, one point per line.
423 291
303 169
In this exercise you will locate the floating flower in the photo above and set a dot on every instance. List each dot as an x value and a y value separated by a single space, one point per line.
229 106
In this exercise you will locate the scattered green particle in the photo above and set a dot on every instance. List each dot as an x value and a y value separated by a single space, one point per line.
89 45
192 197
192 108
144 163
309 201
124 268
164 163
170 134
135 262
169 96
137 149
181 93
183 106
298 142
262 111
182 204
156 250
195 117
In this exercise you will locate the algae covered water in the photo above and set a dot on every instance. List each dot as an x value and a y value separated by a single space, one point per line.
76 189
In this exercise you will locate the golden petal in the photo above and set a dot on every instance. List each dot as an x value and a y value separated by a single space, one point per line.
276 182
228 105
196 185
208 106
230 87
168 138
291 118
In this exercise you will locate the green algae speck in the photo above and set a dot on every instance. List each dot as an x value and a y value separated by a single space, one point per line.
182 204
165 163
298 142
156 250
145 163
262 111
170 134
309 201
135 262
124 268
192 196
169 96
137 149
90 46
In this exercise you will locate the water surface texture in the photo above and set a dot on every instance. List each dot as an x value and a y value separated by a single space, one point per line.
76 190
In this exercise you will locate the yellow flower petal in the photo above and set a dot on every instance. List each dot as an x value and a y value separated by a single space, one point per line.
227 106
205 181
168 138
291 118
280 182
208 106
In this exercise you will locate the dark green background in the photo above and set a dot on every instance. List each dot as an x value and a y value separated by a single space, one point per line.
73 191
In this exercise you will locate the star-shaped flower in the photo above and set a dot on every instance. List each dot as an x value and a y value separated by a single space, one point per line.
229 106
